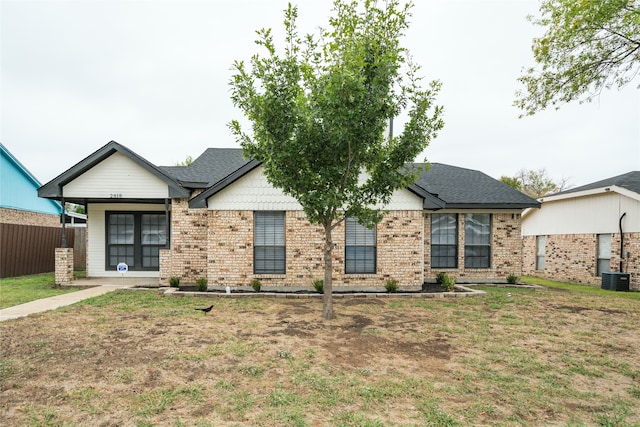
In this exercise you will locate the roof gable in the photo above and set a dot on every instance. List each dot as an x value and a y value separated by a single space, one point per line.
53 189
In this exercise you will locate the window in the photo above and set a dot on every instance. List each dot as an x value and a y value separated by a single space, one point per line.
154 237
121 239
444 240
604 254
360 248
269 247
135 238
477 236
541 242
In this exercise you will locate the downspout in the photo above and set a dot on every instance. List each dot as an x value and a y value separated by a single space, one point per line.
621 242
63 242
167 223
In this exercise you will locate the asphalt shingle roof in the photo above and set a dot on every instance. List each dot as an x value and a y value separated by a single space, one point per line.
629 180
210 167
465 188
457 187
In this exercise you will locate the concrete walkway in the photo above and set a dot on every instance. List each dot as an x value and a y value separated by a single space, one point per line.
98 287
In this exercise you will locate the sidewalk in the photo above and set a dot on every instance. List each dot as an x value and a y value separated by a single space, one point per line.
101 286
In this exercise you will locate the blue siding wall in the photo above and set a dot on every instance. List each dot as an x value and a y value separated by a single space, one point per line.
19 189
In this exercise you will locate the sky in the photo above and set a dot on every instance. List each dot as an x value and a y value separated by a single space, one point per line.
154 76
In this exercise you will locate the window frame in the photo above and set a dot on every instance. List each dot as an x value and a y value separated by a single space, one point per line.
369 247
275 269
599 258
475 246
439 245
138 257
541 243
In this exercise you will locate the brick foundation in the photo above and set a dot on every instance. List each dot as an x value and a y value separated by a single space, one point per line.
64 266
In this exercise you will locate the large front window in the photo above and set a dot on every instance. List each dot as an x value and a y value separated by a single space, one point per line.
444 240
269 246
360 248
135 238
477 240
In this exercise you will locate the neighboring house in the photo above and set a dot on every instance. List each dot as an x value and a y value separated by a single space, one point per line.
576 234
19 201
219 218
30 227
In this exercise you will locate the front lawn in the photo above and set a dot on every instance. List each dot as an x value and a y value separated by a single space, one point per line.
515 357
18 290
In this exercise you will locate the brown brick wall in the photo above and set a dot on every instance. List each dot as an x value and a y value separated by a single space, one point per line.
188 258
219 245
572 257
15 216
506 251
230 250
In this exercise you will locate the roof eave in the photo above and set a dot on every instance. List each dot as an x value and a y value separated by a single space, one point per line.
496 206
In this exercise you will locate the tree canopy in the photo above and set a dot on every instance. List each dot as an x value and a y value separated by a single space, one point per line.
319 110
589 45
535 183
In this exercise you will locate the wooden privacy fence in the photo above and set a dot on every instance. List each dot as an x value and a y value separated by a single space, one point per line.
27 249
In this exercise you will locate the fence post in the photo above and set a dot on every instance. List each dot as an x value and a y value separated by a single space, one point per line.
64 266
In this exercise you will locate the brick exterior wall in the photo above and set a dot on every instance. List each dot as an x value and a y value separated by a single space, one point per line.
506 251
230 250
188 256
64 266
572 257
16 216
218 245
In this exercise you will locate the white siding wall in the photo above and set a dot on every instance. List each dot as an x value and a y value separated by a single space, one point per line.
96 241
117 176
253 192
596 214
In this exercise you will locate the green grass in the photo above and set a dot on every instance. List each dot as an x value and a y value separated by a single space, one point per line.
18 290
519 356
583 289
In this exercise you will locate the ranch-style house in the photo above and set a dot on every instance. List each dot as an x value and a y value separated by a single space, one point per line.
218 218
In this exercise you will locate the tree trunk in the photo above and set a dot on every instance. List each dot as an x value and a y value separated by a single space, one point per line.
327 297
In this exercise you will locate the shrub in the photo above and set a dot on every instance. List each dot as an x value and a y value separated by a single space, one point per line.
318 284
201 284
174 282
448 283
391 285
512 279
256 285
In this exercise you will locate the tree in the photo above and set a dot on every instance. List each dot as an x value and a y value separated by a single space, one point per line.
185 162
535 184
319 110
589 45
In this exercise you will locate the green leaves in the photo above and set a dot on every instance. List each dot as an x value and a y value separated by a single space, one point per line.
589 45
319 110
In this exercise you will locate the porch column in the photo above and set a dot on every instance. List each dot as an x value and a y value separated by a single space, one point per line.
64 266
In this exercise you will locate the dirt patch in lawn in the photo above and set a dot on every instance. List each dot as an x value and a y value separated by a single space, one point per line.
133 358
